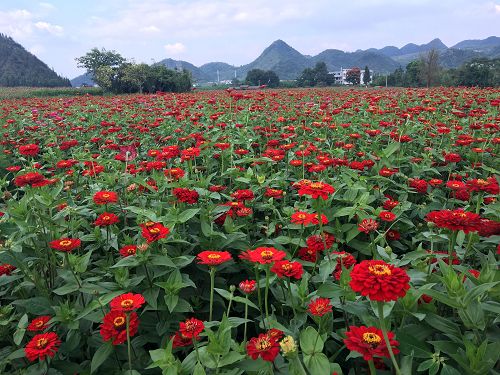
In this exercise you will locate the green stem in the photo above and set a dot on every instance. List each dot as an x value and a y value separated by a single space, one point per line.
371 365
212 286
259 295
230 303
452 247
129 352
386 337
266 294
319 332
66 256
245 324
291 295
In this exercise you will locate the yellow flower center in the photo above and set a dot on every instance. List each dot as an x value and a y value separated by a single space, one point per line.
316 185
39 324
41 343
127 303
119 321
65 243
482 182
214 256
106 218
286 267
380 270
371 338
266 254
263 344
106 195
154 230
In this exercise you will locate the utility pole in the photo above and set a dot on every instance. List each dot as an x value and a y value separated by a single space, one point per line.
385 79
218 77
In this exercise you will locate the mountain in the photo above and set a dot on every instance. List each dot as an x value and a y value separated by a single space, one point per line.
336 59
279 57
225 71
18 67
479 45
197 74
84 79
453 57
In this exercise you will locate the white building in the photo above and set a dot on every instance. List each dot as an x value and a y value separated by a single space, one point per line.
341 76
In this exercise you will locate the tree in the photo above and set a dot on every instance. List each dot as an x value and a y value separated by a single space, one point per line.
480 72
366 76
96 58
430 67
353 76
136 75
413 75
259 77
317 76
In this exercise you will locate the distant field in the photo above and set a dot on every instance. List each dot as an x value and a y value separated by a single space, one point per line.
32 92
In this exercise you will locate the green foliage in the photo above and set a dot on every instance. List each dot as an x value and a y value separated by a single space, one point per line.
259 77
317 76
366 76
353 76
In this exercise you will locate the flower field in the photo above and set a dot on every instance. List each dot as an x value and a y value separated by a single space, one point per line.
319 232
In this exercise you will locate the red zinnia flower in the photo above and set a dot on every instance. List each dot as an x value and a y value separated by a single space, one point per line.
186 195
127 302
65 244
455 220
345 260
274 193
320 306
392 235
379 281
114 326
367 226
263 255
6 269
213 258
106 219
369 341
318 242
192 327
128 250
315 189
387 216
490 185
285 268
39 323
29 150
247 286
301 217
105 197
152 231
419 185
264 346
180 340
243 195
42 346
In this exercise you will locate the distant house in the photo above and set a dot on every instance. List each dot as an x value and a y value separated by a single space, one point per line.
341 76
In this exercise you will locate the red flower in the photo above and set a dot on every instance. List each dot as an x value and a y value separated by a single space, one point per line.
174 173
452 158
315 219
392 235
180 340
105 197
455 185
315 189
127 302
29 150
114 326
213 258
128 250
301 217
387 172
490 185
263 255
367 226
152 231
273 193
320 306
106 219
419 185
42 346
39 323
369 341
379 281
264 346
455 220
6 269
489 228
243 195
65 244
317 242
345 260
308 254
34 179
192 327
285 268
247 286
186 195
387 216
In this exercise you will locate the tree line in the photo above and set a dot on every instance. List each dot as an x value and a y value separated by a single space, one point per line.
114 73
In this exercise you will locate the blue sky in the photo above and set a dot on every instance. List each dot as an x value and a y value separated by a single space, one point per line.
234 31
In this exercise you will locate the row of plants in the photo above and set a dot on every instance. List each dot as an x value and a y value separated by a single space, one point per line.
268 232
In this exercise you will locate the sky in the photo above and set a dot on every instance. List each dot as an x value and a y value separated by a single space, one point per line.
234 31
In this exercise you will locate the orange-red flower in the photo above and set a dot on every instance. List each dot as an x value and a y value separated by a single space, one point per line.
152 231
455 220
315 189
285 268
128 250
105 197
65 244
264 346
105 219
369 342
114 326
263 255
127 302
320 306
191 328
29 150
379 280
41 346
387 216
213 258
39 323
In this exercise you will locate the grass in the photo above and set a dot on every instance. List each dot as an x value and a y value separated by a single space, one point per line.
33 92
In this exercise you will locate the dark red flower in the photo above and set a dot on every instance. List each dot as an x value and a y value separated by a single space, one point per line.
127 302
247 286
263 346
243 195
152 231
6 269
320 306
106 219
285 268
369 341
39 323
379 281
29 150
184 195
41 346
192 327
387 216
367 226
455 220
128 250
105 197
344 260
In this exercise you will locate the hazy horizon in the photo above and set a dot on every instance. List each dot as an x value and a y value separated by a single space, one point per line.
234 32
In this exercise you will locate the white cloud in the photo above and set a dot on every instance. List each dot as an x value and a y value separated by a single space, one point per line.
16 23
50 28
150 29
175 48
497 8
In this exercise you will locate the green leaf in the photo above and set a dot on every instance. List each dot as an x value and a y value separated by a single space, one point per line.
187 214
66 289
412 346
101 355
230 358
391 149
199 370
130 261
310 342
317 364
477 291
161 260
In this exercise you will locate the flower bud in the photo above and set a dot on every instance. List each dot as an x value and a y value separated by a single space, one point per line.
288 346
247 286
